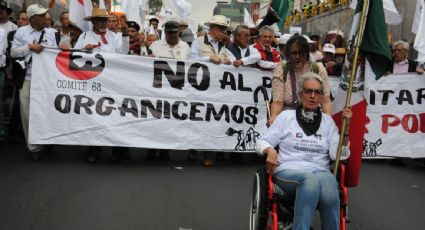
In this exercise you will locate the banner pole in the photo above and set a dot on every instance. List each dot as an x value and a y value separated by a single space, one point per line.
357 44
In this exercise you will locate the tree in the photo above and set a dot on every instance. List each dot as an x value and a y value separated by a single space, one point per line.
154 6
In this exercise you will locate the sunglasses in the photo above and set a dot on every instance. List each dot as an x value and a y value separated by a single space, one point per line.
311 91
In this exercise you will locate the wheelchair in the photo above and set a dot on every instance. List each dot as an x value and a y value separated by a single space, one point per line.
272 209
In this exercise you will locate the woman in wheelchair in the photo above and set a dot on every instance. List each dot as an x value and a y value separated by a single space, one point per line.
307 141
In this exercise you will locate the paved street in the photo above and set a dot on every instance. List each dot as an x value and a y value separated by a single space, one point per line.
62 191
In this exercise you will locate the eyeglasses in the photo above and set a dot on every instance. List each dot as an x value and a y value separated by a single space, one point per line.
311 91
297 53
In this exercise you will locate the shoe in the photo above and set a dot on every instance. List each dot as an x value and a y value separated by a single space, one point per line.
35 156
208 162
192 155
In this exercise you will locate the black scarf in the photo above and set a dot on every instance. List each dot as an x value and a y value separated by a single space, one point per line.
309 121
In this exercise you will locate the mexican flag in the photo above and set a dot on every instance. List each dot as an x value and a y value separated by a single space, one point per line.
373 63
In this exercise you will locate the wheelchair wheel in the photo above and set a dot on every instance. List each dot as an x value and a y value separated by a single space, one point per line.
258 208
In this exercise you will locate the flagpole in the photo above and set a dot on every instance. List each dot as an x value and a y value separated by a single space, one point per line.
357 44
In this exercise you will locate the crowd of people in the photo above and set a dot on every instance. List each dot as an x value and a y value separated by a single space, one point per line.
288 56
300 66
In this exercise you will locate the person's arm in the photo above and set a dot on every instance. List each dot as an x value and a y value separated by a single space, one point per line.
122 44
326 104
269 141
254 56
3 47
19 46
80 42
334 137
267 64
277 104
196 52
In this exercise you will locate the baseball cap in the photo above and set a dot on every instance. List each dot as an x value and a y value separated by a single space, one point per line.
284 39
35 9
329 48
171 26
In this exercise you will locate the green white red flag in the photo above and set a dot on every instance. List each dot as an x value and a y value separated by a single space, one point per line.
373 63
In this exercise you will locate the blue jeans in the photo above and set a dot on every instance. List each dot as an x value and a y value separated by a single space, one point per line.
311 190
2 128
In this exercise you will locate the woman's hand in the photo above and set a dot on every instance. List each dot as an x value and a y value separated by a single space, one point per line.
347 113
271 162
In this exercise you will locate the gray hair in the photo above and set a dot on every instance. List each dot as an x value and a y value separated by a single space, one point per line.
308 76
239 28
266 28
404 44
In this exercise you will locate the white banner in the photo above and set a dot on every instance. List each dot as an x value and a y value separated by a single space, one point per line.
396 110
107 99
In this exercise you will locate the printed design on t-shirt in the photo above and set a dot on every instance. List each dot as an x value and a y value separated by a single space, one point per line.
309 146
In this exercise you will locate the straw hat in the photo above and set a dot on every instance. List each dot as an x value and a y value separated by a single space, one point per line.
98 13
218 20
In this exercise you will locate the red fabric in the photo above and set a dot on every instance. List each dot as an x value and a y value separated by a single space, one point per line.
275 53
357 131
102 36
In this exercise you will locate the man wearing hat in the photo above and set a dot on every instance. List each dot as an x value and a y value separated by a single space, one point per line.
315 54
209 47
329 59
31 38
5 12
100 37
172 46
133 32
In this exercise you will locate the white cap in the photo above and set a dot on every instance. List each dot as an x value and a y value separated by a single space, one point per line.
337 32
308 39
277 34
35 9
284 39
328 47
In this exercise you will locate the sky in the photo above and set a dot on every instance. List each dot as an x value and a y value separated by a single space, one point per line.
202 10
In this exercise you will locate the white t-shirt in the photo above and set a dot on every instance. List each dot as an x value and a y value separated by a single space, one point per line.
299 151
161 49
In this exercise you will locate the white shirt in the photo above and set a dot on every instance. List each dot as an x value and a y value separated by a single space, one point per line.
3 46
162 49
26 35
8 26
299 151
253 57
115 42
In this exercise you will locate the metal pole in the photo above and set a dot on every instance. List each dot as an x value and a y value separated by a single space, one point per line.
357 44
